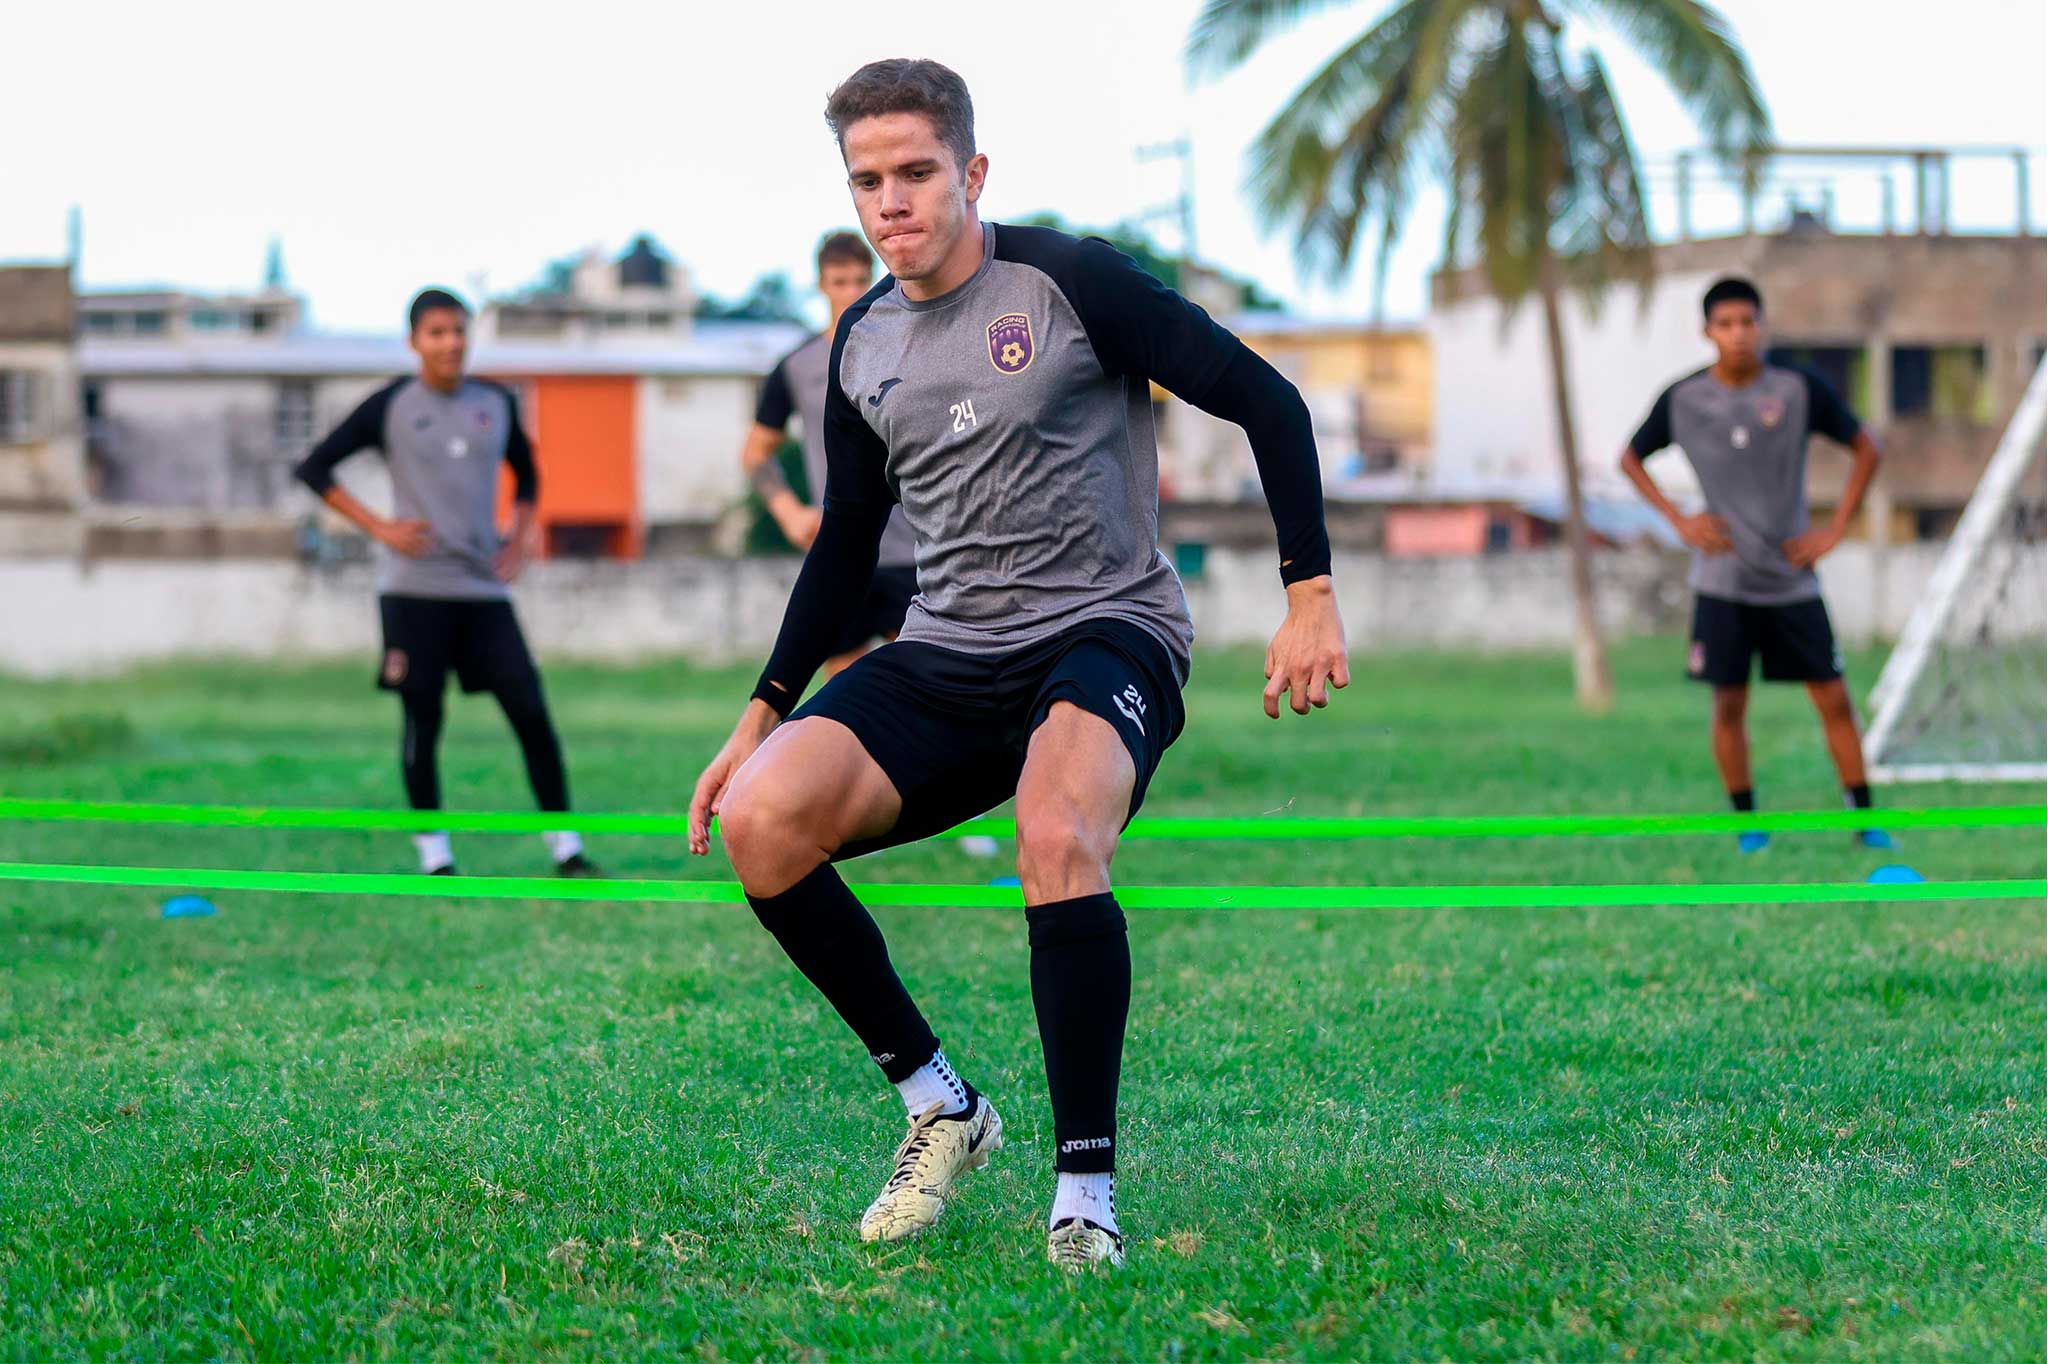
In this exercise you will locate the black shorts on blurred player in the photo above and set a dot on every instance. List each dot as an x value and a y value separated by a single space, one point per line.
950 730
881 615
426 637
1794 639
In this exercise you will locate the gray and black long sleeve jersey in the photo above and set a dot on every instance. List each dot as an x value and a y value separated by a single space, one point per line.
1011 419
444 450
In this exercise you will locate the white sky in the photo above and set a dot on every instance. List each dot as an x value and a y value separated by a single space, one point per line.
391 145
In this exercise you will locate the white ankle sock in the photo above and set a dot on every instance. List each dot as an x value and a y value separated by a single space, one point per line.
933 1083
563 843
434 850
1089 1196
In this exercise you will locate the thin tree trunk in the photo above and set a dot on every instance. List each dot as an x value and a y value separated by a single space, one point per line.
1591 677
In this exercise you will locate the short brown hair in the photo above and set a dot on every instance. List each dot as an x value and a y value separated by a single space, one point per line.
906 85
845 248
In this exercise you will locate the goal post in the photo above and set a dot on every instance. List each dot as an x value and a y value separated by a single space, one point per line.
1962 696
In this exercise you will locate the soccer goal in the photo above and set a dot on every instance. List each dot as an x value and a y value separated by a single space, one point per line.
1962 697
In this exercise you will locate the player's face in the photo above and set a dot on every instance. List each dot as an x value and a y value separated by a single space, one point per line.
842 283
442 342
1736 331
913 196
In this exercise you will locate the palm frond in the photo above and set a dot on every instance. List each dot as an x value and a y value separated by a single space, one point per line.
1227 32
1693 48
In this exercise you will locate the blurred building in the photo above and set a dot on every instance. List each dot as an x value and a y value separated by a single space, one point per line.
637 412
1929 330
42 440
639 298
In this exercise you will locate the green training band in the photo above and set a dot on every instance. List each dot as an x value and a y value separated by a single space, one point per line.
1164 827
1132 897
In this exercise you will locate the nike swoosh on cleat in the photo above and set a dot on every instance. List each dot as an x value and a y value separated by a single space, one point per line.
875 398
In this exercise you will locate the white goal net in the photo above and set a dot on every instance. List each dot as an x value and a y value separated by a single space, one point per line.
1964 696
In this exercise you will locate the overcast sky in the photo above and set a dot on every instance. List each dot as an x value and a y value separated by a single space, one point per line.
390 145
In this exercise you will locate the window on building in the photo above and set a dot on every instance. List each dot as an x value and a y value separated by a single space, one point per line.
293 416
1949 383
1845 368
211 320
89 399
261 321
21 415
149 322
103 324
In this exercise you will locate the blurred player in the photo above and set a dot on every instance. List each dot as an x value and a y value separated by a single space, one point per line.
796 387
441 590
1744 423
997 386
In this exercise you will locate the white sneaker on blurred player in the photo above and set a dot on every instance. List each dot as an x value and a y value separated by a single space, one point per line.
935 1152
1078 1246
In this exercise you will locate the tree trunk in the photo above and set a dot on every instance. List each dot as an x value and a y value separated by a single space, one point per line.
1591 677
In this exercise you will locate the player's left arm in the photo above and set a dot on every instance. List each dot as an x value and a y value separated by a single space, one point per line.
518 546
1831 417
1150 332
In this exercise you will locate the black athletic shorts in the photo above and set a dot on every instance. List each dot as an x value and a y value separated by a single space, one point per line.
424 637
881 615
950 729
1794 638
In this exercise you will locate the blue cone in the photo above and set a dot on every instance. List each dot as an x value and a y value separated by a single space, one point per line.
1005 881
188 907
1896 874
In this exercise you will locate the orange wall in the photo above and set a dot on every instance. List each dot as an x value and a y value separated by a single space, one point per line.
1436 530
585 436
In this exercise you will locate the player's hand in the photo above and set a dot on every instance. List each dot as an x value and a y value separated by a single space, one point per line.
411 538
800 525
1705 532
757 722
1306 658
1806 548
510 560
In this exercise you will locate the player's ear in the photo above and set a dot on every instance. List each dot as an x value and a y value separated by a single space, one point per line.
977 175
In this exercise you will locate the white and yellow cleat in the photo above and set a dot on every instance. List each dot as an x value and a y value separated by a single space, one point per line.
1078 1245
936 1151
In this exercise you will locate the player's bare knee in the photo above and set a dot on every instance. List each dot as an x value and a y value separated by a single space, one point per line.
1057 850
1731 705
1831 699
769 833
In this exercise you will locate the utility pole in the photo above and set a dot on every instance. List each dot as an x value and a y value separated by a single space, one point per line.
1182 208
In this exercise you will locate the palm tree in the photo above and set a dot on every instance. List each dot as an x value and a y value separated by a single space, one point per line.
1506 103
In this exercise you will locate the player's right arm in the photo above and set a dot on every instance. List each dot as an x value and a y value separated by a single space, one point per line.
799 523
829 588
362 429
1704 531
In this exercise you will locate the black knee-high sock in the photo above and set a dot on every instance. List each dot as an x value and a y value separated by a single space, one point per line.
1081 988
527 710
416 750
835 942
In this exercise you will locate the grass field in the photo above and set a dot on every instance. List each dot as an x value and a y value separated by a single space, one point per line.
317 1127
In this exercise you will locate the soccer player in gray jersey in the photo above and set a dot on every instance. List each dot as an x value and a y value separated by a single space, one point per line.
1743 423
796 387
441 590
997 387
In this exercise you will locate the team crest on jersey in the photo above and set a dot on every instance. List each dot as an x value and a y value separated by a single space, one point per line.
1009 343
1770 411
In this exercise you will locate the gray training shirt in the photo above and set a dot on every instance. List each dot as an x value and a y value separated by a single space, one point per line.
1748 447
796 387
1011 419
444 450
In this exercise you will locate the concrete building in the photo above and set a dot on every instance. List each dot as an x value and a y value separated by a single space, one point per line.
630 441
1930 334
641 298
42 440
1369 392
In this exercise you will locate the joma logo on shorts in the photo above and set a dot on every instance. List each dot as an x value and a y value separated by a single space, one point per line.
1132 704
